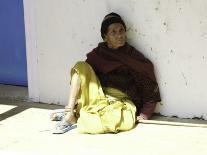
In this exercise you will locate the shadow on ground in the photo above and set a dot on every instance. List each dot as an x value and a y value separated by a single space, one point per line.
20 106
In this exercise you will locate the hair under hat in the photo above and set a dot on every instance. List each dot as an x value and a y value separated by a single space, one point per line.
108 20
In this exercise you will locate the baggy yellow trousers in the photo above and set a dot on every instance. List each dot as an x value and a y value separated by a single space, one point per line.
101 110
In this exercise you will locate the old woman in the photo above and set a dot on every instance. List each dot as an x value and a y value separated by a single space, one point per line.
113 88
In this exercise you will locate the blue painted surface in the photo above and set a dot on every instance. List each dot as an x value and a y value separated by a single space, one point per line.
13 68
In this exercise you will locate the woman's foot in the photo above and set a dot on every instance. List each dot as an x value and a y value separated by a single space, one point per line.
57 115
70 118
63 126
67 123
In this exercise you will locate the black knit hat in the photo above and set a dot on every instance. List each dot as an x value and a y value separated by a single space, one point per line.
110 19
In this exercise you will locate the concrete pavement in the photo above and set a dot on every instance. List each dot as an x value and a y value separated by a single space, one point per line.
25 129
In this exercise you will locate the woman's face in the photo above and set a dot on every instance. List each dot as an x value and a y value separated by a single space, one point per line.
115 36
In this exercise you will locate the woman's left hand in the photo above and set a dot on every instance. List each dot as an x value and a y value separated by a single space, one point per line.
141 117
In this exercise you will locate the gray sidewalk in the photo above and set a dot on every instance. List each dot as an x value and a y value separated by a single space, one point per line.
25 129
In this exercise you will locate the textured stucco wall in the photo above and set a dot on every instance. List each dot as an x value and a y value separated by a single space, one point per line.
173 34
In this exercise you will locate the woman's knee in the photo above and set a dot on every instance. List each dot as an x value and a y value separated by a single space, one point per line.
82 65
82 68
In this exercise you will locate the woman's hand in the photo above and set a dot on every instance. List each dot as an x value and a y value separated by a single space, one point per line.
141 117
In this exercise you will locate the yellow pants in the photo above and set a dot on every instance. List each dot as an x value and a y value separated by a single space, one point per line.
101 110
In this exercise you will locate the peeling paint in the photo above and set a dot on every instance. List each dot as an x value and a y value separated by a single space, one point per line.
166 26
186 83
157 6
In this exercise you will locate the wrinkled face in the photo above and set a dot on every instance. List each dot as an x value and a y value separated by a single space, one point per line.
115 36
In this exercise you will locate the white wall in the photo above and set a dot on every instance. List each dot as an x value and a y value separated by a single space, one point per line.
173 34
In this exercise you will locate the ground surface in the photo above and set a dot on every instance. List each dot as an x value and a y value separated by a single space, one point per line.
25 129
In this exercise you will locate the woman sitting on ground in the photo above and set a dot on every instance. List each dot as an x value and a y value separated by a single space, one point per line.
113 88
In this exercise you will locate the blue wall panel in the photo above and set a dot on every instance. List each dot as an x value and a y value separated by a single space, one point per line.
13 68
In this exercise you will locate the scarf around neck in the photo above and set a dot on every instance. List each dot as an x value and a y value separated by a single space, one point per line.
104 59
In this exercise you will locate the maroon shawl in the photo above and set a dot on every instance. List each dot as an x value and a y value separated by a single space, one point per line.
105 59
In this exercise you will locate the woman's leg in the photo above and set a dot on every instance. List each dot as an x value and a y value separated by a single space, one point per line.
74 92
